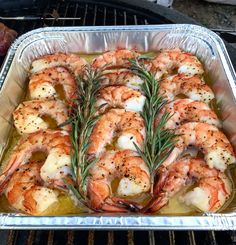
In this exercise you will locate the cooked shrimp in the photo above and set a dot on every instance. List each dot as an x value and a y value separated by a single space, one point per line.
192 87
73 62
25 191
213 188
56 144
217 150
115 58
121 97
28 115
134 179
122 77
187 110
129 127
171 59
42 85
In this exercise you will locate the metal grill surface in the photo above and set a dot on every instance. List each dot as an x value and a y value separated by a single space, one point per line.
99 13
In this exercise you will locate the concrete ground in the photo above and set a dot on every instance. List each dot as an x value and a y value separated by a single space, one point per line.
211 15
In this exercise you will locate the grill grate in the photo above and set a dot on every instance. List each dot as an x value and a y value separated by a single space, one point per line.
117 237
102 13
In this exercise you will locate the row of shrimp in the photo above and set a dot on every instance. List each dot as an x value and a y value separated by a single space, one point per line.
35 174
32 186
121 127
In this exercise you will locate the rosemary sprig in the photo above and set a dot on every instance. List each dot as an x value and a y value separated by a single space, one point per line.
159 142
82 119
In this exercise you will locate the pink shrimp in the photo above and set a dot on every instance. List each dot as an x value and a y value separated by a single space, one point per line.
171 59
215 146
134 179
73 62
213 188
187 110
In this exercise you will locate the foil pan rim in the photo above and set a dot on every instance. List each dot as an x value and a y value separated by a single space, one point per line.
134 222
190 27
106 222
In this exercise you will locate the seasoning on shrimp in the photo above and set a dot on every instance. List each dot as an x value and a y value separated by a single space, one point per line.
122 77
187 110
26 192
192 87
134 177
114 58
217 150
54 143
120 97
43 85
213 188
73 62
171 59
28 115
127 125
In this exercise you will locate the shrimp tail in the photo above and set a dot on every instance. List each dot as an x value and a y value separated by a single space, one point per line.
155 204
128 205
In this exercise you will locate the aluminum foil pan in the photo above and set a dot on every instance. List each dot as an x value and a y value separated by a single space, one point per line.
198 40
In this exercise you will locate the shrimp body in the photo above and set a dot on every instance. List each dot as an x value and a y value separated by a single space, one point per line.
187 110
171 59
114 58
121 97
193 87
73 62
125 165
55 144
127 125
217 150
122 77
213 188
42 85
27 116
25 191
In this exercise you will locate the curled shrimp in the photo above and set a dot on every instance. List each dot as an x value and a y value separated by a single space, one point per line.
171 59
55 144
25 191
73 62
187 110
121 97
127 125
28 115
114 58
213 188
44 84
217 150
134 179
122 77
192 87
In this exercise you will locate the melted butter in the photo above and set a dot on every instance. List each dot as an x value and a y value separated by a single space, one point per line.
89 57
64 206
13 139
51 122
60 92
4 205
176 207
113 145
38 156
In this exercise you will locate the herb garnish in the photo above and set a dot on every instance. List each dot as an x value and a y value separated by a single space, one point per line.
83 117
159 142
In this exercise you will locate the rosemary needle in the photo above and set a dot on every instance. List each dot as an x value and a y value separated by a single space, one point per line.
159 142
82 119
